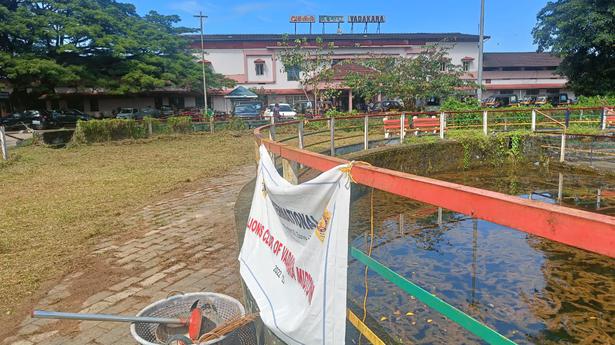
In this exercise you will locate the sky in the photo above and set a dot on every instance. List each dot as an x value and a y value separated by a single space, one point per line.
508 23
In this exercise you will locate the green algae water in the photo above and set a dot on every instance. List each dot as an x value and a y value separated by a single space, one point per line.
531 290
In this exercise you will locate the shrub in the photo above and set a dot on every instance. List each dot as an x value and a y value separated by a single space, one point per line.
95 131
180 124
157 125
236 124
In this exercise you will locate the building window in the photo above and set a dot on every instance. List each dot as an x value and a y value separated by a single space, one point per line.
94 104
466 65
292 73
260 68
552 91
75 103
176 102
533 92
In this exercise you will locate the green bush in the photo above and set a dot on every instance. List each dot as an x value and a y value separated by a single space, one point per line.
95 131
236 124
595 101
157 125
180 124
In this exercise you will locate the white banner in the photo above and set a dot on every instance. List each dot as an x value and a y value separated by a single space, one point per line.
295 254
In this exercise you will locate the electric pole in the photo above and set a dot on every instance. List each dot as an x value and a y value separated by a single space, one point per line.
201 18
481 34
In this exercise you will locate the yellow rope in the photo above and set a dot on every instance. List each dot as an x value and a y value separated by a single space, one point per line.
347 169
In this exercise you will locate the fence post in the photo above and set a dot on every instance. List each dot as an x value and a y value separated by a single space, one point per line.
332 139
485 130
366 132
211 123
533 120
442 124
560 188
272 129
289 171
567 117
300 133
150 130
5 153
402 128
562 152
603 119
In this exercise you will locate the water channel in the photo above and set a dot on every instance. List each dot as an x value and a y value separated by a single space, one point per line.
532 290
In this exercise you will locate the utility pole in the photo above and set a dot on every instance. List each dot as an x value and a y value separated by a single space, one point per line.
201 18
481 34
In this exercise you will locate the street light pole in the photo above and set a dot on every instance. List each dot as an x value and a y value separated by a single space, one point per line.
479 92
201 18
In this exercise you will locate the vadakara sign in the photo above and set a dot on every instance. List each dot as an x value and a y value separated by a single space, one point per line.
295 254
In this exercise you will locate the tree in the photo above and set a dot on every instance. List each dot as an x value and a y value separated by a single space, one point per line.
312 60
429 74
582 33
100 44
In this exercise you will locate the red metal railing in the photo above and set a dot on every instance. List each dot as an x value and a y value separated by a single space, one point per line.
589 231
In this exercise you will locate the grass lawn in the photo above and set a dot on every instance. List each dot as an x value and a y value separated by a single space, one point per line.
54 203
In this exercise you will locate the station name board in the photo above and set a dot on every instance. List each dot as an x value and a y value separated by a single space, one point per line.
302 19
365 19
330 19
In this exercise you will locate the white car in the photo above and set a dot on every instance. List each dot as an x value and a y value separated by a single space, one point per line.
286 111
126 113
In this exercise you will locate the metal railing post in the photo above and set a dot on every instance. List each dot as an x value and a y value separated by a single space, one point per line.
560 188
402 128
562 153
5 153
442 124
300 133
272 129
485 129
332 126
533 120
290 171
366 132
603 119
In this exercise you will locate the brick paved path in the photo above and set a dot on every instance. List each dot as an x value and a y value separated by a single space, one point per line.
185 242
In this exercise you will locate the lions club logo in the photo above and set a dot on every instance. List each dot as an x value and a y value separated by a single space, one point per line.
321 228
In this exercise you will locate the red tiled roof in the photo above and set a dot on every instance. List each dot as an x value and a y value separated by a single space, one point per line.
524 59
524 86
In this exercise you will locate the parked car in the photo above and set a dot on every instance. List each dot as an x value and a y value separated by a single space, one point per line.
247 111
304 107
44 119
166 111
527 100
126 113
541 100
560 100
385 106
18 120
147 112
286 111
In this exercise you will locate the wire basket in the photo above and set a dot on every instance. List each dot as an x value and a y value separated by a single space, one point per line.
217 310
